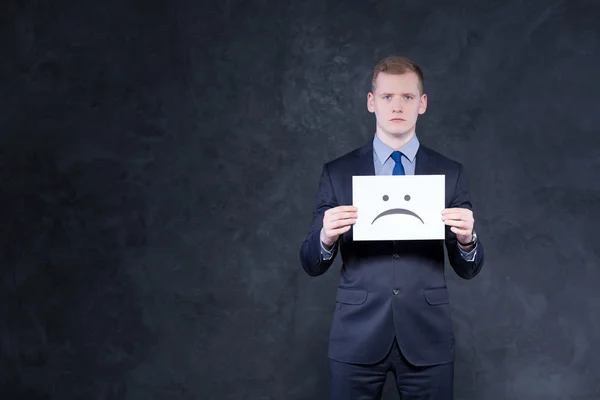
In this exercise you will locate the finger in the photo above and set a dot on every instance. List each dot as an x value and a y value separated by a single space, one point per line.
453 216
458 224
455 210
338 224
464 232
341 216
339 231
461 227
342 222
342 209
345 215
457 214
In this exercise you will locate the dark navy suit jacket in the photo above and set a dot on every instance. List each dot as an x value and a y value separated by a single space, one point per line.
390 289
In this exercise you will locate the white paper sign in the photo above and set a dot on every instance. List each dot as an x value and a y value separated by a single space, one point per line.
399 207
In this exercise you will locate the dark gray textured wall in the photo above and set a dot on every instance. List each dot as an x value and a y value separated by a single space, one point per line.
159 162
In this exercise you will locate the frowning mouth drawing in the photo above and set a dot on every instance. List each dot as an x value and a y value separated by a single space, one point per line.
397 211
401 211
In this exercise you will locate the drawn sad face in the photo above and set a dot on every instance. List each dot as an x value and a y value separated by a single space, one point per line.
406 207
398 211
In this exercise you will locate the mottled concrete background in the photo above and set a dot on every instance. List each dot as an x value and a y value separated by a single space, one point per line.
159 162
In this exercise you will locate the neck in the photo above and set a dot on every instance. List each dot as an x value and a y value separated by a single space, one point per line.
395 141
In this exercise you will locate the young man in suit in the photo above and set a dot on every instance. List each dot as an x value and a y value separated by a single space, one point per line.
392 304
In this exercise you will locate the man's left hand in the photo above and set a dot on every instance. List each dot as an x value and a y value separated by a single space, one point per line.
461 222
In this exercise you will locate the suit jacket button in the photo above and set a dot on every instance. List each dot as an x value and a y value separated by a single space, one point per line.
396 256
395 291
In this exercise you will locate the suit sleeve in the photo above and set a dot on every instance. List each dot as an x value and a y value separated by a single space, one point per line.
311 256
463 268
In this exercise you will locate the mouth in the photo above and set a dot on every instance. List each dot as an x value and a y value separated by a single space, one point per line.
398 120
401 211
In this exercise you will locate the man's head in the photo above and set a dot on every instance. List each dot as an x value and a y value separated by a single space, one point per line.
397 97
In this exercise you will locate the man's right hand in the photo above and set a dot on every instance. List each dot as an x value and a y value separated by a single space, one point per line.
336 221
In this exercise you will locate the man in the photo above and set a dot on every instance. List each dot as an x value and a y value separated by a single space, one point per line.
392 305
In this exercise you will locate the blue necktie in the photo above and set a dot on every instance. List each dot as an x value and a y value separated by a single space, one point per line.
398 168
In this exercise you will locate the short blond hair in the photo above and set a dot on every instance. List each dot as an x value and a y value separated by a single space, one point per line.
397 65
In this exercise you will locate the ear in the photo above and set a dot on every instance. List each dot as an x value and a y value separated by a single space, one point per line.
370 102
423 104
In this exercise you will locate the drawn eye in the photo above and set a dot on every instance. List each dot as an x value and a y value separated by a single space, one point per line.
385 197
407 198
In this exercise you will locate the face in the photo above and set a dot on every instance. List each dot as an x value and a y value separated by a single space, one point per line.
397 103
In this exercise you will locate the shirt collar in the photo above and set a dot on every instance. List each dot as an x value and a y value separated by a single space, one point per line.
383 151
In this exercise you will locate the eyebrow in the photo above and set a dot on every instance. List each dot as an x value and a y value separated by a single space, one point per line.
401 94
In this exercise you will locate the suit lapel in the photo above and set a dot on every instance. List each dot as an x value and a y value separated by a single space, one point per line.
424 164
364 164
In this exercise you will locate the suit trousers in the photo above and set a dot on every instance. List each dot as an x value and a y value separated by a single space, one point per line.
365 382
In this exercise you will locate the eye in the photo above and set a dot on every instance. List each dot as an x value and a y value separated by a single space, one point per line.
385 197
408 97
387 97
407 198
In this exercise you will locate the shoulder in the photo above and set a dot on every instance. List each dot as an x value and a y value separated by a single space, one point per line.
349 158
438 159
